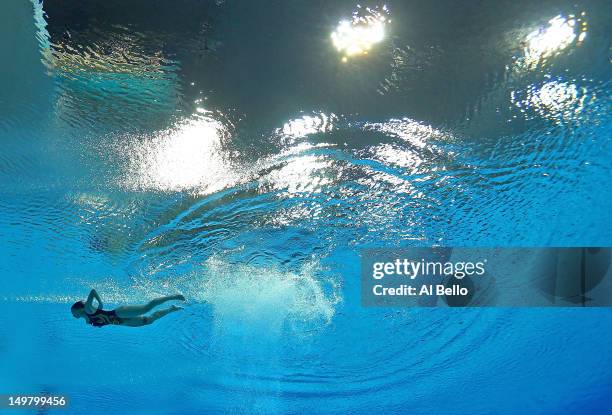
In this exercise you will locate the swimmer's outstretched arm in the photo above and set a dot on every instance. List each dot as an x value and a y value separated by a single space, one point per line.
89 307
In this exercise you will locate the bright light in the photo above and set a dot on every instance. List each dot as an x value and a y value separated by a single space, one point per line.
558 101
414 132
305 126
302 174
358 35
354 40
560 33
187 157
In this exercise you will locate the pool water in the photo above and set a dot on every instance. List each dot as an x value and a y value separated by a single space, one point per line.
228 151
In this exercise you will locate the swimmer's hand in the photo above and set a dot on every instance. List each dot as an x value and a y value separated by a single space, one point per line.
89 307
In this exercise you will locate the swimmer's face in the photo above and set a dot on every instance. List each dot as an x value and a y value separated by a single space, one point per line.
78 309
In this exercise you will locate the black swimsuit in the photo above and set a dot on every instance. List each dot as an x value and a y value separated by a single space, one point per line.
102 318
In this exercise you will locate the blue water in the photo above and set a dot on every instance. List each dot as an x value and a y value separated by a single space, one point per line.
226 151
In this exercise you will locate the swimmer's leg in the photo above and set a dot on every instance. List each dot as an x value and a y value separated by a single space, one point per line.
128 311
145 320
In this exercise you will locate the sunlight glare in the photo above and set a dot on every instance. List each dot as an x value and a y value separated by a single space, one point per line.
560 33
357 36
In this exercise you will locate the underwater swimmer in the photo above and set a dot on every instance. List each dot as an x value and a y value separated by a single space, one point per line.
129 315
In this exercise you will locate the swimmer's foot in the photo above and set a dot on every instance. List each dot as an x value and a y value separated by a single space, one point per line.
180 297
175 308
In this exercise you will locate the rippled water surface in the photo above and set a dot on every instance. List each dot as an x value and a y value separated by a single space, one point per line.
243 153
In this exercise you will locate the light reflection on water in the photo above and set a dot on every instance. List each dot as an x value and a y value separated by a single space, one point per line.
556 100
177 159
559 34
358 35
186 157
